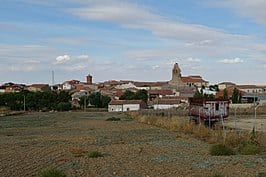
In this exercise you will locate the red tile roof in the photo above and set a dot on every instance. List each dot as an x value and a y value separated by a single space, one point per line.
121 102
161 92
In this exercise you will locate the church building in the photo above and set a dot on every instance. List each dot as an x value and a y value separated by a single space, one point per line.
179 81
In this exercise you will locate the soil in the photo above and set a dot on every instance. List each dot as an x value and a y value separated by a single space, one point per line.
247 122
35 141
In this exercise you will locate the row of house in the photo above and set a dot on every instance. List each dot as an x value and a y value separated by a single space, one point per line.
161 94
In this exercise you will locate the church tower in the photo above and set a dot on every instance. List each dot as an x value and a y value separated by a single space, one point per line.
176 76
89 79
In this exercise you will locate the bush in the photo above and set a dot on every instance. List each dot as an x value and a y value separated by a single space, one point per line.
95 154
249 149
52 172
221 150
63 106
113 119
262 174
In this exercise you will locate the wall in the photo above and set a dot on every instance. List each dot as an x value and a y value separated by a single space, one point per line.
164 106
131 107
115 108
247 105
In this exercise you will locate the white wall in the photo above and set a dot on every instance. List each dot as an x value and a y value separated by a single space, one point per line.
164 106
131 107
246 105
115 108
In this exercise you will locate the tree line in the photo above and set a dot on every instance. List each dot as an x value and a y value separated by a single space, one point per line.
36 101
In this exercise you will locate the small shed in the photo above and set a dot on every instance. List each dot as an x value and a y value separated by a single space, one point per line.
125 105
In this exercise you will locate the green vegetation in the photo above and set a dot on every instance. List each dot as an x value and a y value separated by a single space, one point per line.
236 97
113 119
95 154
249 149
221 150
96 99
261 174
52 172
225 94
35 101
139 95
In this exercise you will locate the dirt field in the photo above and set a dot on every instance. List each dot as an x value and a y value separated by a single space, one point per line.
31 142
247 122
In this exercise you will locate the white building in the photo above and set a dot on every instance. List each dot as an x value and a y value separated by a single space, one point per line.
166 103
125 105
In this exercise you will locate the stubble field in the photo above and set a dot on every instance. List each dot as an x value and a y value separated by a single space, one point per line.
34 141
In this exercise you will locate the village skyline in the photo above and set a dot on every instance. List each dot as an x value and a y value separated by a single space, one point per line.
132 40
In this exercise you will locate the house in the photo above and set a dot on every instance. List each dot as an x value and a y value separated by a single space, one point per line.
38 88
224 85
230 91
69 85
251 88
159 93
166 103
125 105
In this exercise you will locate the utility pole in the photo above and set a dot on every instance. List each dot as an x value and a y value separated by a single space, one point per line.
84 103
52 77
24 106
255 117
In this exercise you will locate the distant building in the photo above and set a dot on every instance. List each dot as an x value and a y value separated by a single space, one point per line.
70 85
166 103
179 81
126 105
89 79
224 85
38 87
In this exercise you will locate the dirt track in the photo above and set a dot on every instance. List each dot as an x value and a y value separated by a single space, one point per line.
31 142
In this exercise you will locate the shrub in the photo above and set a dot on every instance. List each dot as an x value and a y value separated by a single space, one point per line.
249 149
64 106
95 154
113 119
261 174
221 150
52 172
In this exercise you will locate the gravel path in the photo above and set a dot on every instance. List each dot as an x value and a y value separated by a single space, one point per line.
32 142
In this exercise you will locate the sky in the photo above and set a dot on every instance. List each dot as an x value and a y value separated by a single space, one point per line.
132 40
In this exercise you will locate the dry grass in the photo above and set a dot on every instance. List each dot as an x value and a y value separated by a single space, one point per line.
229 138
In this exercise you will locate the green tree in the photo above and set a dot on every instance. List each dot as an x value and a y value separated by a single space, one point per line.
128 95
141 95
198 94
236 97
225 94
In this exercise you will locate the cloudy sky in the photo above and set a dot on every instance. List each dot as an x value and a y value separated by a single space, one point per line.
132 40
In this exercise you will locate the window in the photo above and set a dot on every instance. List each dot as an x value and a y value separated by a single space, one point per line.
217 106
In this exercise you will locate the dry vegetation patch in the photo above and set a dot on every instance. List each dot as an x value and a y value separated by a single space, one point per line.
242 142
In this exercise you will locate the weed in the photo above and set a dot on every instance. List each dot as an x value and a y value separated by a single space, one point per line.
113 119
95 154
51 172
261 174
221 150
249 149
